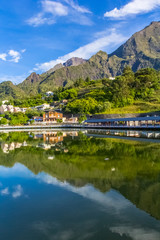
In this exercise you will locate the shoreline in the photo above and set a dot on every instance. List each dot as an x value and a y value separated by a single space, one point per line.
77 126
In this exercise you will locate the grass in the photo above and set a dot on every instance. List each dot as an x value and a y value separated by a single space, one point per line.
137 107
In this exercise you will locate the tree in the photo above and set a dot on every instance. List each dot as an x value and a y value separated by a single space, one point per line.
83 106
68 94
3 121
79 83
32 112
82 118
88 79
18 119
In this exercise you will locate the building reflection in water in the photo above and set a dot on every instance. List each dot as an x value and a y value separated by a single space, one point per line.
7 147
48 140
126 133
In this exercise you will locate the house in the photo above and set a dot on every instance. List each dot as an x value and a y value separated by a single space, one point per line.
72 120
3 109
10 108
17 109
49 93
64 101
43 107
52 116
23 110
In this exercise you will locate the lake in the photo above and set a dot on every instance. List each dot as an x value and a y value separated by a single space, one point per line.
77 185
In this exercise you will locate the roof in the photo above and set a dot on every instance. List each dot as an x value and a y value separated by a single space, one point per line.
157 118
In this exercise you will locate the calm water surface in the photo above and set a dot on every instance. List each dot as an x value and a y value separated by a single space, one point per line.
80 185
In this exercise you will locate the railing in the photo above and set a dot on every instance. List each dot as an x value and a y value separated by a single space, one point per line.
73 125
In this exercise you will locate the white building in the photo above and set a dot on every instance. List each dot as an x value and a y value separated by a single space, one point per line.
23 110
4 101
17 109
49 93
43 107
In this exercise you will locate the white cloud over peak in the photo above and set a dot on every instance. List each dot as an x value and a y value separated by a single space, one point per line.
104 41
51 10
134 7
12 55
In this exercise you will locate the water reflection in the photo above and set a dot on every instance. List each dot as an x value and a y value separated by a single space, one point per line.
66 189
126 134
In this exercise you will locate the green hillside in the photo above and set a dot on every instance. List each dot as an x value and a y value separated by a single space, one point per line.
9 91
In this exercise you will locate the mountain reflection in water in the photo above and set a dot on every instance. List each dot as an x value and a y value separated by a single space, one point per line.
120 196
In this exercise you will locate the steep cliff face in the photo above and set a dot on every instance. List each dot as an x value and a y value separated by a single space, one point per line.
141 50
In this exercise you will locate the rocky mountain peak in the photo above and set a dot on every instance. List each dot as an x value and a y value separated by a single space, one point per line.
98 56
145 42
74 61
34 77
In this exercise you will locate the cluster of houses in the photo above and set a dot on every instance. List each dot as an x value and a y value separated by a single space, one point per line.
49 116
5 107
10 108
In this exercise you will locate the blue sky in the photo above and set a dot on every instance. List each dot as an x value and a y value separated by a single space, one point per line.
37 34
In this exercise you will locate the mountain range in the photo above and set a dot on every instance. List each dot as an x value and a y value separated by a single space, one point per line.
142 50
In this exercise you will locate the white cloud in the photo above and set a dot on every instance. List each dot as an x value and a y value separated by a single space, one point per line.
15 56
12 55
104 41
39 19
18 191
136 233
78 8
3 56
53 9
111 200
12 78
4 191
134 7
23 50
